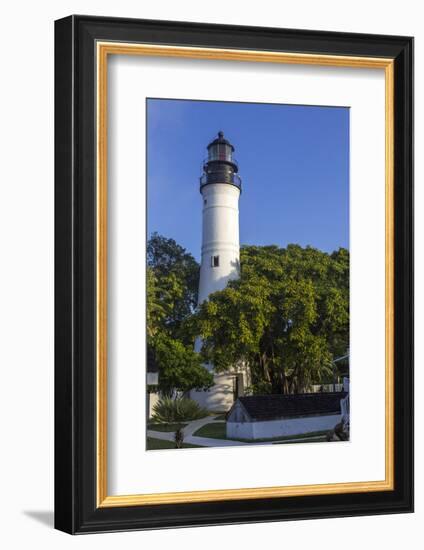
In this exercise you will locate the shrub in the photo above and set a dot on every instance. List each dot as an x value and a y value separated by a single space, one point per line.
177 410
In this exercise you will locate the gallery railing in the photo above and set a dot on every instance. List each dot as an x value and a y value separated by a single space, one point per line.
220 177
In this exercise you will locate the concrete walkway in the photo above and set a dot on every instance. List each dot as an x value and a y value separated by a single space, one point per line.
193 426
194 440
210 442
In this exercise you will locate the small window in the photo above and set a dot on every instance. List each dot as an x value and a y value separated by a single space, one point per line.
215 261
205 201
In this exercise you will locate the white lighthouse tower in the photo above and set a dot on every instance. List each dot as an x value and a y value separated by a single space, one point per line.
220 187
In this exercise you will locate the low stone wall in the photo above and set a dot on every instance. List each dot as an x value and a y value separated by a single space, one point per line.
281 428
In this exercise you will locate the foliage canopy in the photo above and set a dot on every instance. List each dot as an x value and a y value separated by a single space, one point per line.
286 318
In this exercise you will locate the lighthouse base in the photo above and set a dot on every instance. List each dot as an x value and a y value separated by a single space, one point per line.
221 396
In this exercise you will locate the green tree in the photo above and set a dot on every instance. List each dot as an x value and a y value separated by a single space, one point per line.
180 367
172 279
286 318
177 274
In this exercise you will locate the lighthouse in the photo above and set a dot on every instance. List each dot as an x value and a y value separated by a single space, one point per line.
220 189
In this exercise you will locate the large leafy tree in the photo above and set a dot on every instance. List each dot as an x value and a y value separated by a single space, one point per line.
180 367
286 318
177 274
172 279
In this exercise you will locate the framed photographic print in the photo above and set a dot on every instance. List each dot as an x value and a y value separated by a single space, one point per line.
233 272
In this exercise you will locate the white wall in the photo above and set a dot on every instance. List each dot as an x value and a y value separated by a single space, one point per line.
26 289
220 397
277 428
152 399
220 237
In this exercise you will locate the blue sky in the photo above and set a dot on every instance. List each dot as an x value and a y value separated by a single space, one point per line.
293 160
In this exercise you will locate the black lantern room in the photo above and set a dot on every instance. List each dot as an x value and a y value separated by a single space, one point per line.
220 166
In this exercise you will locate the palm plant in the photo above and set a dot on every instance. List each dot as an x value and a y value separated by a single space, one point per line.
182 409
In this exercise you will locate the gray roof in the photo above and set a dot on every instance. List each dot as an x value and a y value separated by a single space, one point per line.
270 407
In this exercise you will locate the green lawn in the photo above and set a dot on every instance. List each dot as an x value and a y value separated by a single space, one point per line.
306 438
298 436
166 427
217 430
155 444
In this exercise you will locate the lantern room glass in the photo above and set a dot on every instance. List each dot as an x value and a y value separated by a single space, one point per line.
220 151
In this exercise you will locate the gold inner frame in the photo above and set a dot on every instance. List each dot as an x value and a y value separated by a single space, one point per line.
104 49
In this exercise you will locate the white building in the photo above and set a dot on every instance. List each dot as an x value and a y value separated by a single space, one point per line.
271 416
220 187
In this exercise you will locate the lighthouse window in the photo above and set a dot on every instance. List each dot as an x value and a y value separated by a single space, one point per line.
215 261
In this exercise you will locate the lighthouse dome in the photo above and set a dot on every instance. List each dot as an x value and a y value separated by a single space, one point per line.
220 166
220 140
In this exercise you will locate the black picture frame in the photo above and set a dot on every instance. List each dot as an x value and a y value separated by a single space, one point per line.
76 510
